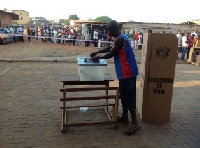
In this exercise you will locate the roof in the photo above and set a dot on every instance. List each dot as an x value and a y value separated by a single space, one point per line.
188 22
85 21
19 10
14 15
197 21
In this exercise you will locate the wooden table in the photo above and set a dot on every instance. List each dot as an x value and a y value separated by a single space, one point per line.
192 50
75 80
68 80
196 48
197 63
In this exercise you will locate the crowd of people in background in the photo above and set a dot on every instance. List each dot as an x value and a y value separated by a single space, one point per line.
135 38
68 36
186 42
99 38
17 32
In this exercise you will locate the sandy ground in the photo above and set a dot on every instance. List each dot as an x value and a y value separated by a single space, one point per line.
30 114
36 48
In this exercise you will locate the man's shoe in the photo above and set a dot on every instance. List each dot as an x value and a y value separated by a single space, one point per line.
122 119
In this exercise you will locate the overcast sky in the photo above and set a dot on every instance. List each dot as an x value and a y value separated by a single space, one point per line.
163 11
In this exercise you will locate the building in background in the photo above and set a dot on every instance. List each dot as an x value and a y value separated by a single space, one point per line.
89 26
23 17
197 21
185 27
38 21
6 18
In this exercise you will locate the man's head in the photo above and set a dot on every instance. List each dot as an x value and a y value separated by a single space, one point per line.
186 34
179 32
113 28
192 36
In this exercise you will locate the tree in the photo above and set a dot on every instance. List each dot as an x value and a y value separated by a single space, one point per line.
131 21
62 21
103 19
72 17
90 19
51 22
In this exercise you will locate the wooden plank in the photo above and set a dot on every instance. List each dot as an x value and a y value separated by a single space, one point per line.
87 89
75 78
196 48
99 104
85 83
64 112
88 98
89 123
108 113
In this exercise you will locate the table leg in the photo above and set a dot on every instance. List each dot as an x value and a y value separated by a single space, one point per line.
106 93
63 130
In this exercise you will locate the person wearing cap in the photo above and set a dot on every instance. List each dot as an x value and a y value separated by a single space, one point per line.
21 32
126 71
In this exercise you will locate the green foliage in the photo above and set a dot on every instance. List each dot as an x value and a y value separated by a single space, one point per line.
51 22
103 19
71 17
131 21
62 21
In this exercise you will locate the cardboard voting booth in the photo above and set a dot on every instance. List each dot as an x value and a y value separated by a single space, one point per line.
157 71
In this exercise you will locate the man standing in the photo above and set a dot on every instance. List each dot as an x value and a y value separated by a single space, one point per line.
194 33
126 70
37 32
179 36
29 32
100 36
21 32
136 40
184 46
95 38
62 36
87 38
190 44
79 38
104 38
33 31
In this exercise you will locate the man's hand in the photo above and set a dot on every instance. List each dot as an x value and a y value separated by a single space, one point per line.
93 54
96 58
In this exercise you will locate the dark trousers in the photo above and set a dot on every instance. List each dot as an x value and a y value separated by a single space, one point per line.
127 89
33 34
95 43
29 38
74 41
21 38
87 43
188 52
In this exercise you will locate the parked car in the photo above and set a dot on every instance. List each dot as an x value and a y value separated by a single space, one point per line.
5 37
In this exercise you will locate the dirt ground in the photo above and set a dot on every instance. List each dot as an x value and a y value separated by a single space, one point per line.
36 48
30 114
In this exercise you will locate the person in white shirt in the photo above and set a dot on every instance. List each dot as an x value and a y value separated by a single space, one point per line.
95 38
55 35
70 37
21 31
179 37
195 34
11 30
184 46
87 38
